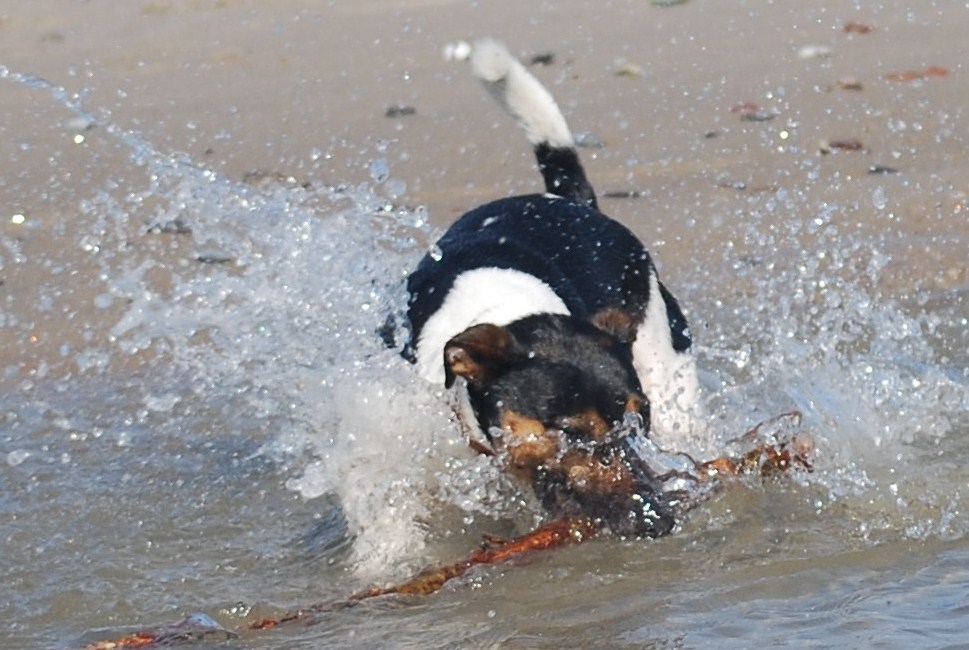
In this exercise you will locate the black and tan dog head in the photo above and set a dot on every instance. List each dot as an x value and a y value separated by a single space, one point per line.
557 397
546 371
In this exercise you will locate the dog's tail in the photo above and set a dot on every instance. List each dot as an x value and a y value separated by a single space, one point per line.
535 110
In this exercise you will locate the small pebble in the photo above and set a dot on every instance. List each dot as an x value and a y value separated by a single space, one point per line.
848 83
542 58
882 169
851 144
853 27
625 68
588 140
213 257
814 52
399 110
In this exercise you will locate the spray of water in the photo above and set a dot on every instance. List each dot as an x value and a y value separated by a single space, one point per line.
282 313
875 379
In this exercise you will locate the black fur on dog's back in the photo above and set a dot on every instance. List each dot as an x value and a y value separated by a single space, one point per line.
591 261
564 175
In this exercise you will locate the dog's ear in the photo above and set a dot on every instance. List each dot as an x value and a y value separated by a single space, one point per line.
476 353
616 322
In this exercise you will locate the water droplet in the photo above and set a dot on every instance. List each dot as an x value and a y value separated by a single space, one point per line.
878 198
17 456
103 301
395 188
379 170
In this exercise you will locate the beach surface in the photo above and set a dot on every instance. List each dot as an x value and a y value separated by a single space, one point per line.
675 95
203 202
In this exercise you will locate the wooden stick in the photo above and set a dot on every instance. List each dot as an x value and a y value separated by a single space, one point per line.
762 458
568 530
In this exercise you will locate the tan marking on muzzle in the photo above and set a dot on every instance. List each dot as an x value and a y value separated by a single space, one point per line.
589 422
527 442
593 473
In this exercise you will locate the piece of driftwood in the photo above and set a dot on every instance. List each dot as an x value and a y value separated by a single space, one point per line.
762 453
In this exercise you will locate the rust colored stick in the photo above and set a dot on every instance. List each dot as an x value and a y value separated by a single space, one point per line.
558 533
762 458
144 639
568 530
564 531
185 631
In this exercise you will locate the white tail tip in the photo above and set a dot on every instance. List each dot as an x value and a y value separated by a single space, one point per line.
517 90
458 51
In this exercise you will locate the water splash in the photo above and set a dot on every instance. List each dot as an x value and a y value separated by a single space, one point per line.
264 305
878 383
268 305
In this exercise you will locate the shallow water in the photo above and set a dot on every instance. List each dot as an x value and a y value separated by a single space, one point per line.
198 412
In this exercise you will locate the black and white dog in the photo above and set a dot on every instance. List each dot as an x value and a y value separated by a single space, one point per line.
554 317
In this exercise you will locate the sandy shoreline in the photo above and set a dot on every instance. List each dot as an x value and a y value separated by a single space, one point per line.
296 88
244 85
181 435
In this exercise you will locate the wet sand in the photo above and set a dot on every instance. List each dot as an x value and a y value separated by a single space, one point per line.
303 90
245 86
712 117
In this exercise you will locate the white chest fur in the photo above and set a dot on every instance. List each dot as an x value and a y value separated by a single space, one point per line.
668 377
